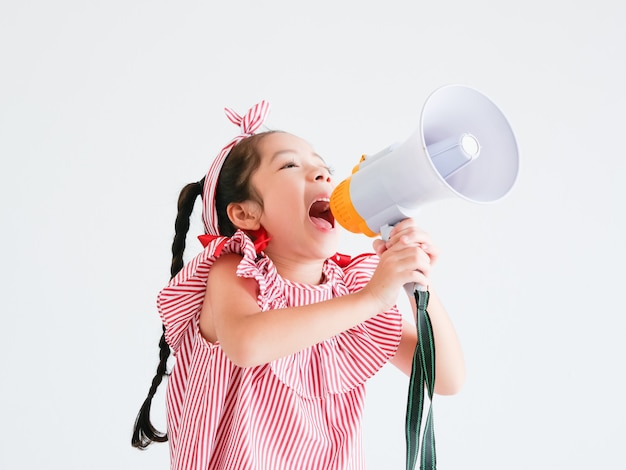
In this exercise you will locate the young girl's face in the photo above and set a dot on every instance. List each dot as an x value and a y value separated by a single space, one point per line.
295 185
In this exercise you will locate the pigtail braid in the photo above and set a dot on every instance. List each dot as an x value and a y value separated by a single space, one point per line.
186 201
144 433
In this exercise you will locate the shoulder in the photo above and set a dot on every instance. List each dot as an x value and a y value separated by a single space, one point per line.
225 272
358 270
347 262
226 263
224 285
363 261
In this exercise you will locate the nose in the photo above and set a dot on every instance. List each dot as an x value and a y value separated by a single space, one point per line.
322 175
325 178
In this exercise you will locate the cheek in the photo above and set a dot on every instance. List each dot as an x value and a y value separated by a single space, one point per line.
282 196
273 206
282 207
282 199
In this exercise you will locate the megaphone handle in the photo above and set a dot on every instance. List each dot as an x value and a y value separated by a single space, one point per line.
411 287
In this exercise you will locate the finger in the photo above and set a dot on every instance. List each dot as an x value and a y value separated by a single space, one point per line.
432 252
379 246
414 259
409 239
401 226
410 234
412 268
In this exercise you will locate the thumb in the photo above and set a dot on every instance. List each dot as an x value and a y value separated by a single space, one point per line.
379 246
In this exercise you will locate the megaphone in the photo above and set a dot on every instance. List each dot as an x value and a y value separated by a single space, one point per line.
464 148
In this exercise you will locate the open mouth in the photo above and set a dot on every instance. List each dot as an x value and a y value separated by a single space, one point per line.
320 214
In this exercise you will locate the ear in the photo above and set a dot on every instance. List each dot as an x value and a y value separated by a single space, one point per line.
245 215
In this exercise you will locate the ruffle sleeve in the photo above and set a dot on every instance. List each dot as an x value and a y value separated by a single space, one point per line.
180 302
348 360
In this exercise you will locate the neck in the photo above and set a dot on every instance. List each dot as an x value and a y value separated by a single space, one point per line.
300 271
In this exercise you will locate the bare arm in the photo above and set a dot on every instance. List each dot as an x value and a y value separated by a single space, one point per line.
449 359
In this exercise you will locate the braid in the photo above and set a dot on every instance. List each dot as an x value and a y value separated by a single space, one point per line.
186 201
144 433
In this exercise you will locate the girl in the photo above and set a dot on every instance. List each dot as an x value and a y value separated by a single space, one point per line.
274 334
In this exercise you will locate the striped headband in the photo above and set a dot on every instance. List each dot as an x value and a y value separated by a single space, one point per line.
249 124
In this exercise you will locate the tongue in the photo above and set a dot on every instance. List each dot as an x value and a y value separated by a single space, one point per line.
321 223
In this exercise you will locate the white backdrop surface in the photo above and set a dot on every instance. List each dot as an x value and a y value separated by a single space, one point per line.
108 108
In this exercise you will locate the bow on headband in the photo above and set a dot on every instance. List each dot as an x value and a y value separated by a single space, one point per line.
249 124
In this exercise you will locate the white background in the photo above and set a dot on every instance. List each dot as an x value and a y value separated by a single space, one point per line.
108 108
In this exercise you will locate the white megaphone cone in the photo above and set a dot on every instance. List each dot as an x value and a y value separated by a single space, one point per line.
463 148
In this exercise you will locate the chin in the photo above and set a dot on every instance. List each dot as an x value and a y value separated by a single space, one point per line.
330 245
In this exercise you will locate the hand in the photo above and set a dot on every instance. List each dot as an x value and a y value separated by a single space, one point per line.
408 228
407 257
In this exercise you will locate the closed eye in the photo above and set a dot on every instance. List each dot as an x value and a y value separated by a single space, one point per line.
289 165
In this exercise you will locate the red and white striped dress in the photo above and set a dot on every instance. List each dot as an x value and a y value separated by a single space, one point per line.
299 412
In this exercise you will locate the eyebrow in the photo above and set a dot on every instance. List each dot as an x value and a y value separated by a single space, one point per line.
281 152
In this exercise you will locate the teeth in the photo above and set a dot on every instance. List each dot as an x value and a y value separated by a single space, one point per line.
324 200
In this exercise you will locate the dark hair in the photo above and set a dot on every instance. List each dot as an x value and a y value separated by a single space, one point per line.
233 185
